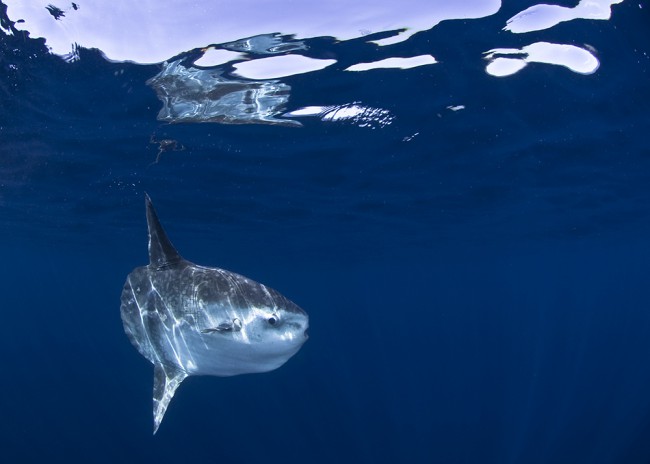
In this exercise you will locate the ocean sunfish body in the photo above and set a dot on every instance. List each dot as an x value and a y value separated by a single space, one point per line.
194 320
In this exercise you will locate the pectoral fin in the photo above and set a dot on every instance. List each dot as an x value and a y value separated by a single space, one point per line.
166 380
227 326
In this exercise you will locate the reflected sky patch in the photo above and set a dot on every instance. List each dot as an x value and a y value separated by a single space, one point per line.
539 17
394 63
280 66
578 60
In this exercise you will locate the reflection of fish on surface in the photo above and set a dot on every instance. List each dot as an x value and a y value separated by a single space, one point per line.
191 94
193 320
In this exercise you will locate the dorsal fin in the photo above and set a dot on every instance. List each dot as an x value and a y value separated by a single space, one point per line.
162 253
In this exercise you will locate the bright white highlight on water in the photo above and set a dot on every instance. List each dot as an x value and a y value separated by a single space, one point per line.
543 16
279 66
362 116
308 111
214 57
398 63
575 58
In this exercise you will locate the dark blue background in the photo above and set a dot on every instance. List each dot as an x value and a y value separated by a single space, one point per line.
477 294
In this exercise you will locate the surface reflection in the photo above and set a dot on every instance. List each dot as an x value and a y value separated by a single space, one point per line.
148 32
539 17
232 62
353 113
578 60
190 94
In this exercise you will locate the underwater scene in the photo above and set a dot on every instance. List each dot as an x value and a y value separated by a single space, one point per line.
321 232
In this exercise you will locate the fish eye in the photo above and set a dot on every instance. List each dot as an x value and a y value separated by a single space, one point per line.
273 320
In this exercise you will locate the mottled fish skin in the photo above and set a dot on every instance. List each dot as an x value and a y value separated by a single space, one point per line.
188 319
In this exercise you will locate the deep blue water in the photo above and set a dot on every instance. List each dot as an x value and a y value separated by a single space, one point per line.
477 281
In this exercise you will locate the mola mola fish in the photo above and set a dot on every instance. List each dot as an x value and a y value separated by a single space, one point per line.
194 320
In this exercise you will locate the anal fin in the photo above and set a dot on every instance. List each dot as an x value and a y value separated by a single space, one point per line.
166 380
